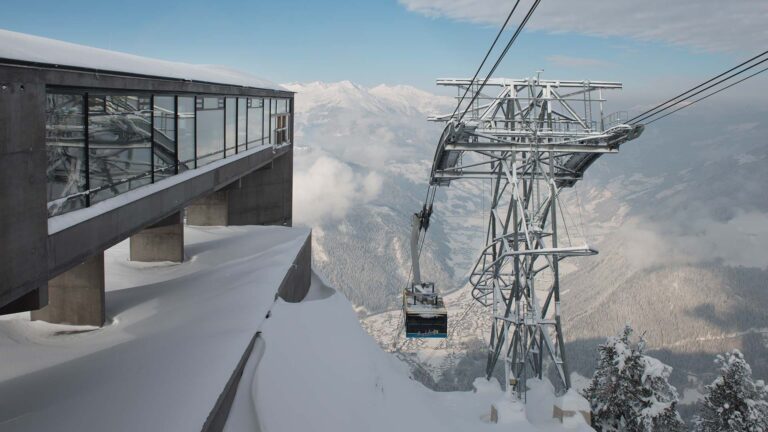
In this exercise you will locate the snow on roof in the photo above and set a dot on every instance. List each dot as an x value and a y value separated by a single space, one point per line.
36 49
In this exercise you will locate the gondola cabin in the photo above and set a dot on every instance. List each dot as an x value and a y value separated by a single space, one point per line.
424 311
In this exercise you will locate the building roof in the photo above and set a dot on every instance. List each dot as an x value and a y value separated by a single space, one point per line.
20 47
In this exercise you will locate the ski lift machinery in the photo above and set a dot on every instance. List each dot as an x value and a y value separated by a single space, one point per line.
424 312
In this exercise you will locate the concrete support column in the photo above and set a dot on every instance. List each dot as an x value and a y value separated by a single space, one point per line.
163 241
210 210
265 196
76 296
23 196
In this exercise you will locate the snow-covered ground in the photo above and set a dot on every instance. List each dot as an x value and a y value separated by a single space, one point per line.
321 371
174 335
176 331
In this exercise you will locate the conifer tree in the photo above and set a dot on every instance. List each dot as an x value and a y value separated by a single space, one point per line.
733 403
630 391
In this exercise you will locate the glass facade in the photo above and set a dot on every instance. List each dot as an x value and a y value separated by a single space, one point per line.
100 145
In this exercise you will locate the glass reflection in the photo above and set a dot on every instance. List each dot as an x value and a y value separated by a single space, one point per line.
164 137
230 134
186 125
65 148
119 147
242 116
255 122
210 129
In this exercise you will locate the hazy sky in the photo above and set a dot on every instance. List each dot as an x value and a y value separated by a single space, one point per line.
648 44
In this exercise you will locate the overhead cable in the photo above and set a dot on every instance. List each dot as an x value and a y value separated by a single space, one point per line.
677 99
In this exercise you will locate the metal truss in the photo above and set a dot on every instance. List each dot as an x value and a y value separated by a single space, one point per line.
530 139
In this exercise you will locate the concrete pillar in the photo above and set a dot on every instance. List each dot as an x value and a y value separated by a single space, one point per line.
163 241
23 186
263 197
76 296
210 210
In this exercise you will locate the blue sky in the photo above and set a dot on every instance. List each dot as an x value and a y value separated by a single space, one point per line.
367 42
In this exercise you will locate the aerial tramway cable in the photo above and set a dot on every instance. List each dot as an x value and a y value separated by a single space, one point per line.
706 96
487 54
658 109
501 56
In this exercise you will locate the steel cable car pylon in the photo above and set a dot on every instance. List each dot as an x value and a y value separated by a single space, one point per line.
531 138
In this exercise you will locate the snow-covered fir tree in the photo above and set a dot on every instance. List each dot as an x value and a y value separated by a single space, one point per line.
733 402
630 391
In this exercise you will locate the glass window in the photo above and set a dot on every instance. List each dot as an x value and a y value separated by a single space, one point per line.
164 136
186 134
65 148
281 128
242 115
281 106
210 129
230 131
280 121
272 121
255 122
119 146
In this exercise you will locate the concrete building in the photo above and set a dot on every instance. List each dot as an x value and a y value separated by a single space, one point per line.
98 146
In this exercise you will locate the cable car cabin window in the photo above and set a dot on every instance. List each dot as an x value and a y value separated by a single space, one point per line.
417 326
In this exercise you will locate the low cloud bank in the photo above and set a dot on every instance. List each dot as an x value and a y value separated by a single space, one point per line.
325 189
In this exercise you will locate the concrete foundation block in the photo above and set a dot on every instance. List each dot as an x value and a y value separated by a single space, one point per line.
163 241
77 296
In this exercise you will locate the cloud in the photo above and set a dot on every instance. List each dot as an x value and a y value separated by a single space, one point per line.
708 25
577 62
327 189
738 242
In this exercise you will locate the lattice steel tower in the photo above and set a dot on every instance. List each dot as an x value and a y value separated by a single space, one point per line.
530 138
